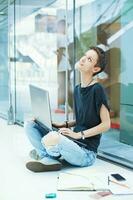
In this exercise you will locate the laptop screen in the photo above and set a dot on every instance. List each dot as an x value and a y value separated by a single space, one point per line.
40 105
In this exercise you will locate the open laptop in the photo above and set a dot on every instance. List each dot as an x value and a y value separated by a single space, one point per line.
41 109
40 105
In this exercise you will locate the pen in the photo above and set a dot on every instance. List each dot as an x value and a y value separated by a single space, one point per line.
123 185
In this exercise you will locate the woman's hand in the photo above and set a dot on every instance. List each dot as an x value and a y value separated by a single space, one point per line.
68 132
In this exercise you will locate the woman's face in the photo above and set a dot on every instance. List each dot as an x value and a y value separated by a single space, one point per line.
88 61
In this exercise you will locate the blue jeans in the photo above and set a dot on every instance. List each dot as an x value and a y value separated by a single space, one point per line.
69 150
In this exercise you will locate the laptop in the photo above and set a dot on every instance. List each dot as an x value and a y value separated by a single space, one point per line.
41 109
40 105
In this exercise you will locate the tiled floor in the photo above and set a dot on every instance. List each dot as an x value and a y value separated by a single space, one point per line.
17 183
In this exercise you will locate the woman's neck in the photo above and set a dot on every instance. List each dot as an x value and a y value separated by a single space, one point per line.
86 80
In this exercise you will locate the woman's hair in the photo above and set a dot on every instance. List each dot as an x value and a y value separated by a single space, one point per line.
102 60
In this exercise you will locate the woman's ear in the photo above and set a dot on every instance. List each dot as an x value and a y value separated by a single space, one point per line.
96 69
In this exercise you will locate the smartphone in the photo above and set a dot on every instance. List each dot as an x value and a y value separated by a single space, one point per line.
118 177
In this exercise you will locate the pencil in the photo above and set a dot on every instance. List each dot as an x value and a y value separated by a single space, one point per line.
123 185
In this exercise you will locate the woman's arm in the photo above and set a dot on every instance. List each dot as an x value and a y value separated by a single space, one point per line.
102 127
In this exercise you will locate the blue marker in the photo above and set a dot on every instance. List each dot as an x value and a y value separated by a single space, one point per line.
50 195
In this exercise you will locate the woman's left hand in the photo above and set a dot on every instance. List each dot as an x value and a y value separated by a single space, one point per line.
68 132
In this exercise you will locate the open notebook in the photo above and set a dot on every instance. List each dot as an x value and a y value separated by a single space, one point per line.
75 182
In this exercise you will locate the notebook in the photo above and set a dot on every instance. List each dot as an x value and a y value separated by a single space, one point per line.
78 182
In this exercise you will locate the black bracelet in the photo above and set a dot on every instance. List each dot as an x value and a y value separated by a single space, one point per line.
82 135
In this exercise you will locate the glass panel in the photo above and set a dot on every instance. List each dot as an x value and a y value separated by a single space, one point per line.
109 25
4 100
40 50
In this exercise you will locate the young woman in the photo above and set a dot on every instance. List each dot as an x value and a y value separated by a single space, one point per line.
78 146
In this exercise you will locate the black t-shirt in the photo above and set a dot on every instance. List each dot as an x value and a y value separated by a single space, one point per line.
87 103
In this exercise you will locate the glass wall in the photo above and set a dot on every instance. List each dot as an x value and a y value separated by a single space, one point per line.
4 98
40 43
40 34
109 24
